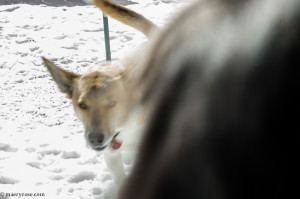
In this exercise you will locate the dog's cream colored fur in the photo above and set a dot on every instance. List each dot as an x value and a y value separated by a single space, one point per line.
100 98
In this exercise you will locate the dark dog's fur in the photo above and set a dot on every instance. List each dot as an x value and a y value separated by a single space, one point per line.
223 83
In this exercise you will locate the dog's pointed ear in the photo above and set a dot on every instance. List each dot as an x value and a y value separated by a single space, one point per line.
64 79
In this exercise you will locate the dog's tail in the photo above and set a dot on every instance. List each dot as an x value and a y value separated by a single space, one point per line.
126 16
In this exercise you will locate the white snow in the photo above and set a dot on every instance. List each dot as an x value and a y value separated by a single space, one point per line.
42 147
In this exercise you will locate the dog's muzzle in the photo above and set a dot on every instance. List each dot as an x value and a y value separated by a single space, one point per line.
97 140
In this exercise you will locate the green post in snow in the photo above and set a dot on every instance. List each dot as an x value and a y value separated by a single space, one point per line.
106 38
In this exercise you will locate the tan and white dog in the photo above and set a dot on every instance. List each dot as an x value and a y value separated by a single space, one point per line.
101 98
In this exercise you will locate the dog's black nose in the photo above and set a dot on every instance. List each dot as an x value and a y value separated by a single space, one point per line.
96 139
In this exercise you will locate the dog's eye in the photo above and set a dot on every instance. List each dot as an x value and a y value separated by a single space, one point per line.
83 106
111 104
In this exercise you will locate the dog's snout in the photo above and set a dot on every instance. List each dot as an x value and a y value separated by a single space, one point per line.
95 138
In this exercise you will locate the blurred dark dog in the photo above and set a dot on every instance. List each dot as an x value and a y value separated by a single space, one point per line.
222 83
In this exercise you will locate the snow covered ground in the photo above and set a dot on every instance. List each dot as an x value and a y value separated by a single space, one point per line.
42 147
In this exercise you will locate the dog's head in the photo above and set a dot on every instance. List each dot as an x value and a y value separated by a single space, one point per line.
99 99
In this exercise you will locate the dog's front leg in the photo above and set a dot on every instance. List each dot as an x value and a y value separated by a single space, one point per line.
114 162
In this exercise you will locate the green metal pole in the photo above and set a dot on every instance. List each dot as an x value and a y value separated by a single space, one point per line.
106 38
